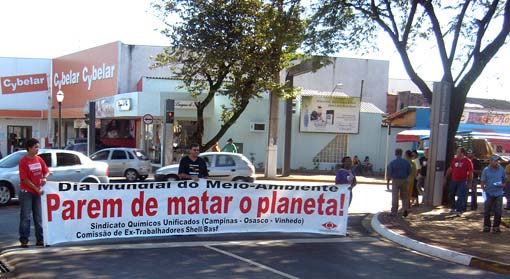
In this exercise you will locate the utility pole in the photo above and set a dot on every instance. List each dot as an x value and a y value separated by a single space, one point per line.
438 142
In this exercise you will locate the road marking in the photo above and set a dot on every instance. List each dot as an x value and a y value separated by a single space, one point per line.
252 262
176 244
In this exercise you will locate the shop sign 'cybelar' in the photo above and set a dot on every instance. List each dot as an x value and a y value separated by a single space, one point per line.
24 83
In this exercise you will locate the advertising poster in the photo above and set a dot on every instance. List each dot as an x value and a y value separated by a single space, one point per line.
80 211
324 114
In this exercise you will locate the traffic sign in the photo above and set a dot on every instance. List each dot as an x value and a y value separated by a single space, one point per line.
148 119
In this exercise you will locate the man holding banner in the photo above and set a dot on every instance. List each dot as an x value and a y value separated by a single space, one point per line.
193 167
32 175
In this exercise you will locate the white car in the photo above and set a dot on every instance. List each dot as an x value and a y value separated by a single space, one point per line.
220 165
131 163
64 165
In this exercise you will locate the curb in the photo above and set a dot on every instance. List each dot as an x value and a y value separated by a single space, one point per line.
439 252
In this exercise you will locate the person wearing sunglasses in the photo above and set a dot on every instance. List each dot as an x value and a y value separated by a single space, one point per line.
192 167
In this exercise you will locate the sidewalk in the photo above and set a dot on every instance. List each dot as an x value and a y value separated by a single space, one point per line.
435 232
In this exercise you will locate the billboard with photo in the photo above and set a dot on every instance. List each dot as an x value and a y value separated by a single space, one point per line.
328 114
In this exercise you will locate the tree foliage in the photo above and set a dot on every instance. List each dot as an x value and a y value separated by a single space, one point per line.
467 35
231 48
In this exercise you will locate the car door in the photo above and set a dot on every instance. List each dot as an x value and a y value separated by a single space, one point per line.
67 168
209 161
224 167
103 156
118 162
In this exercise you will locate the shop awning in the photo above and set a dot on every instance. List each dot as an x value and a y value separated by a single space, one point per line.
412 135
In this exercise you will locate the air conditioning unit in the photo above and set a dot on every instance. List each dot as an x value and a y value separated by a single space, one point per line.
258 127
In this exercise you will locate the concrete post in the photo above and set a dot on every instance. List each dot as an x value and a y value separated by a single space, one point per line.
438 142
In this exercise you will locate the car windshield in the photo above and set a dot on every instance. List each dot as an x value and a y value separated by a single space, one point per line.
141 155
12 160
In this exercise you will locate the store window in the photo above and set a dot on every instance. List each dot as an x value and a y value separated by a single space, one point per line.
17 137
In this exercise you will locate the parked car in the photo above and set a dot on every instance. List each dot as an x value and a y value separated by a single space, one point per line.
80 147
131 163
221 166
64 165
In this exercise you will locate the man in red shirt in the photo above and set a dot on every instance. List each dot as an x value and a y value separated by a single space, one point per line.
32 175
461 171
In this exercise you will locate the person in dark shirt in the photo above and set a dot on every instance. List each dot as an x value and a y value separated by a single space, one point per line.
346 176
477 171
399 170
192 167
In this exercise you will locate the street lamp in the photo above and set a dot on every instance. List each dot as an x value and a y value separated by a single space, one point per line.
60 99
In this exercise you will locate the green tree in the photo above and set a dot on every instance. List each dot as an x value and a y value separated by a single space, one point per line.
228 47
467 35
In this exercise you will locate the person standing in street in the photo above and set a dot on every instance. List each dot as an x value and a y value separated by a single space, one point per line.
422 174
345 175
216 147
399 170
229 147
507 188
493 182
411 179
461 171
33 174
477 170
192 167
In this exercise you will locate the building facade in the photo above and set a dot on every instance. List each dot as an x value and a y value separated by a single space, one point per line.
130 107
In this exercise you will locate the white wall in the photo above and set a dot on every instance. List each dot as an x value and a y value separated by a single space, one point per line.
350 72
24 66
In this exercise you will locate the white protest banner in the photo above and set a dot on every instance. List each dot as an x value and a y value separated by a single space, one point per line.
80 211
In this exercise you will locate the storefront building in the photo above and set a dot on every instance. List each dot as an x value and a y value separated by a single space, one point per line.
130 105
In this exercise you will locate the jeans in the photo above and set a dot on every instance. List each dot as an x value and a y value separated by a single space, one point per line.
473 194
459 189
30 204
399 185
495 204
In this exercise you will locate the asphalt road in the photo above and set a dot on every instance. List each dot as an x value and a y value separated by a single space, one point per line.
361 254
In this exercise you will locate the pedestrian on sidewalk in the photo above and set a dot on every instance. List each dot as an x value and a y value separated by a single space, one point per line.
411 178
461 171
216 147
399 170
477 171
356 164
229 147
33 173
493 182
422 174
345 175
507 188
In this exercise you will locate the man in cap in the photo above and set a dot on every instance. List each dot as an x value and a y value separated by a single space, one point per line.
229 147
493 182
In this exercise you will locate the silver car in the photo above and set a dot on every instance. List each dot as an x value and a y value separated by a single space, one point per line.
64 165
131 163
221 166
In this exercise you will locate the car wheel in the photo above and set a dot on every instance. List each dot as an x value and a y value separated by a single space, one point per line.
90 180
6 194
239 179
143 177
131 175
172 177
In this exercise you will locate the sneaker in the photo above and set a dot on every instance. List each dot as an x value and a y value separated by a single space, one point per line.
405 213
496 230
23 244
39 243
507 208
486 229
452 211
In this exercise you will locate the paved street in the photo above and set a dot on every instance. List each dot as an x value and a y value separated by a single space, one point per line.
361 254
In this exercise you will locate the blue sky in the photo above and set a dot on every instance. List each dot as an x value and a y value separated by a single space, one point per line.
52 28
